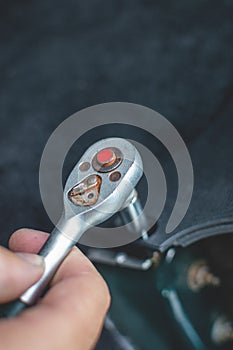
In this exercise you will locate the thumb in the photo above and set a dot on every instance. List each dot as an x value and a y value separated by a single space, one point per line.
18 271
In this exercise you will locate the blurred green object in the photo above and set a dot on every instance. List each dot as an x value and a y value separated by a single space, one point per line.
182 303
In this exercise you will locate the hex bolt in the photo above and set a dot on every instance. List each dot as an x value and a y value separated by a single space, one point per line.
222 331
199 276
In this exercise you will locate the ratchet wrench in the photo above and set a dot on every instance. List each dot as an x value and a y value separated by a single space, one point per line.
100 184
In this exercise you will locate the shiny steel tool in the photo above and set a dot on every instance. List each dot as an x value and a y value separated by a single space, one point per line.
99 186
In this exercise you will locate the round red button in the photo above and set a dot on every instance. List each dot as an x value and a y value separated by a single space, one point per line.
106 157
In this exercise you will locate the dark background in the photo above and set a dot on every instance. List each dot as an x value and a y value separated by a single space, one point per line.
57 57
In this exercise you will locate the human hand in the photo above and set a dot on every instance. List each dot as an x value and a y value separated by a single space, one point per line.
70 315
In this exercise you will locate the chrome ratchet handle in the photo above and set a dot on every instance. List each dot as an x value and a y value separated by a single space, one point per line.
97 188
54 251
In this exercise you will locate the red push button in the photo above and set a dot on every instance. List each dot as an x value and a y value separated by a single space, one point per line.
106 157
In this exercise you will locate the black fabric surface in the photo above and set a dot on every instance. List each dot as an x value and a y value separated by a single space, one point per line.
210 211
57 57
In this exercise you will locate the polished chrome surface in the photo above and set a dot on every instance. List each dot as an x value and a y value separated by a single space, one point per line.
133 216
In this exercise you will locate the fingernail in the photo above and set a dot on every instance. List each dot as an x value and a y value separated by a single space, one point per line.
33 259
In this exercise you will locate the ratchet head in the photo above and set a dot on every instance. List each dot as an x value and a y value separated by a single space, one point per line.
99 185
